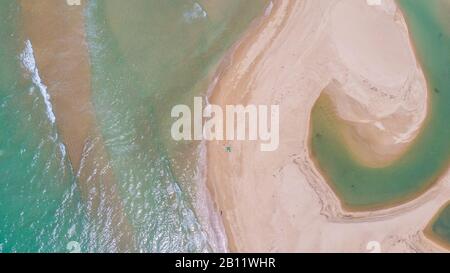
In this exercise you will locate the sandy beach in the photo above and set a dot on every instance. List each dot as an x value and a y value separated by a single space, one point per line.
361 56
355 53
57 34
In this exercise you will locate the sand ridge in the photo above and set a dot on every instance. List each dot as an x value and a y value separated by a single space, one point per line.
279 201
56 31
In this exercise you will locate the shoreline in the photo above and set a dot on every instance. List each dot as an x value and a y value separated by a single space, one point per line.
279 201
226 62
240 46
428 231
227 178
401 202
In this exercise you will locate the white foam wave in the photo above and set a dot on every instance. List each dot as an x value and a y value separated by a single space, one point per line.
29 62
197 12
208 215
62 148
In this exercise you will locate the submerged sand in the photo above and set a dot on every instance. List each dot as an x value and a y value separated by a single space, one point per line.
362 57
57 34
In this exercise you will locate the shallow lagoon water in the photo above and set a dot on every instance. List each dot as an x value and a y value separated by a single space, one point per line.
361 187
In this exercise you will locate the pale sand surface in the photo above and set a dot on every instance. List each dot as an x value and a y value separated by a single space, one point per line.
278 201
57 33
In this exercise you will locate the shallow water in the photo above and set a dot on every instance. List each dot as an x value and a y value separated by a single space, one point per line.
441 226
361 187
146 57
40 208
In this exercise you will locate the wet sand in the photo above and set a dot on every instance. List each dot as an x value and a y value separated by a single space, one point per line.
56 31
279 201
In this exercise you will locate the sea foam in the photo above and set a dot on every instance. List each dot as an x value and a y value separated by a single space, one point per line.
29 62
197 12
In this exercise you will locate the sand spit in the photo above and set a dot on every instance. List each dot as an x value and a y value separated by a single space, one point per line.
278 201
56 32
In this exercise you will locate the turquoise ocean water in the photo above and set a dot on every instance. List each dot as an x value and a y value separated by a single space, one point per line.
146 56
40 208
